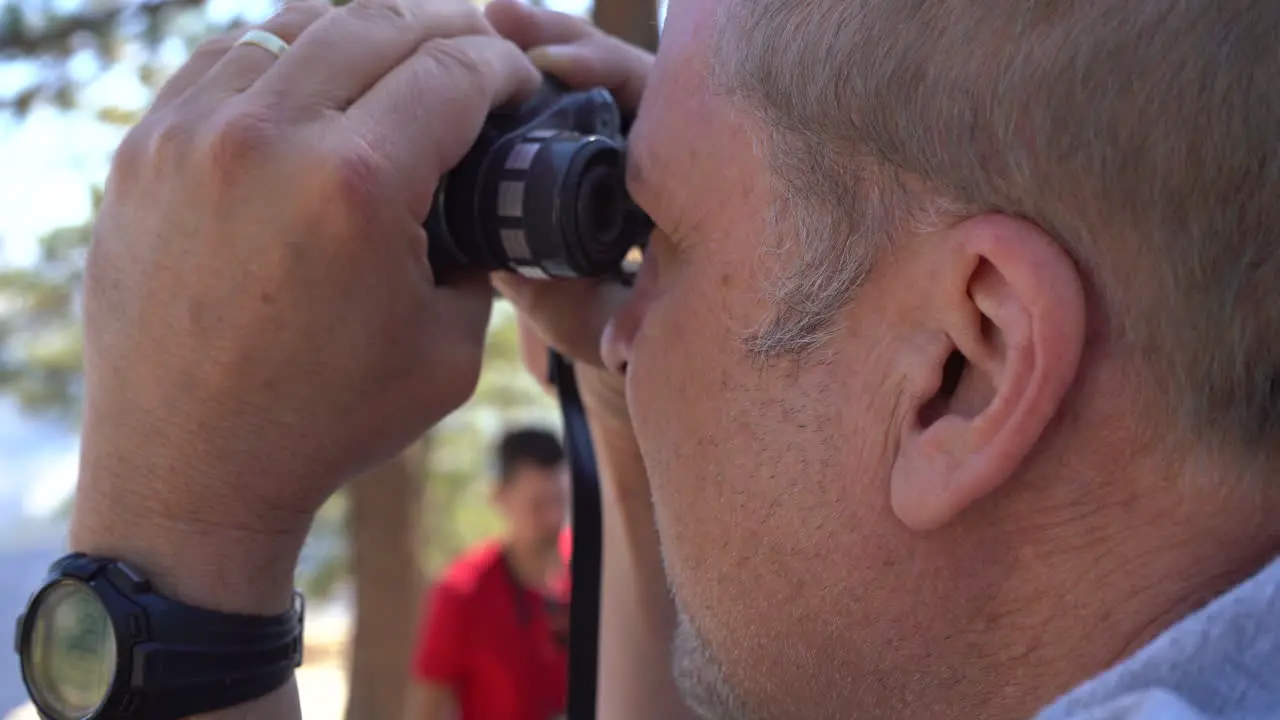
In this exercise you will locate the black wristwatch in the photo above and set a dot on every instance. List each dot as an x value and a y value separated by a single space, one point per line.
98 643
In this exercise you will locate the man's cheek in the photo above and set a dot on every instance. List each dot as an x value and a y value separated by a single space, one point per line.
659 353
665 404
650 379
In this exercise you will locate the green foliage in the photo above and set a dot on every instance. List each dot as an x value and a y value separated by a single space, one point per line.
67 47
60 50
40 337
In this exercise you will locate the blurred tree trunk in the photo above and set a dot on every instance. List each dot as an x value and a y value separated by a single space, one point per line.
635 21
385 528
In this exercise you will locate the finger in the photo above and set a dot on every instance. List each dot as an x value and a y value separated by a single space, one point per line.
348 51
601 61
529 26
194 69
454 337
243 64
423 116
569 314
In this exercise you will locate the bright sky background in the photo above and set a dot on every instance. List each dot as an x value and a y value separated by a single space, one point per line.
48 164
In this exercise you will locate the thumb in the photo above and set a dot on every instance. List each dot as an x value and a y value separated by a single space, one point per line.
569 314
598 61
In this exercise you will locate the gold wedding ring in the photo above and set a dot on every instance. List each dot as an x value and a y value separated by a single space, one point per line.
267 41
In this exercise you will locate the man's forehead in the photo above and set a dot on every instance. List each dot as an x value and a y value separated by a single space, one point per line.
676 120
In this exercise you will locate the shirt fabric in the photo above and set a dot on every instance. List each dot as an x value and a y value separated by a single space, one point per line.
1220 663
493 641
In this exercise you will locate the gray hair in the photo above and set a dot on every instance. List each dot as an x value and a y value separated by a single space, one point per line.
1144 137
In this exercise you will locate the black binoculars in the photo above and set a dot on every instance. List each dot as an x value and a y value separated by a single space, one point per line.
542 192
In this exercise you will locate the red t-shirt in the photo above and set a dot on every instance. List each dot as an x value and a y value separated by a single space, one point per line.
491 641
561 584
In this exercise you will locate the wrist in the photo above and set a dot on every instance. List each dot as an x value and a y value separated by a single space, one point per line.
206 562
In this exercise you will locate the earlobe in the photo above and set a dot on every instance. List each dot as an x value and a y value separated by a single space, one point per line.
1013 311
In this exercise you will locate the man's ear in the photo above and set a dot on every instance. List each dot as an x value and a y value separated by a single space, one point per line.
1008 307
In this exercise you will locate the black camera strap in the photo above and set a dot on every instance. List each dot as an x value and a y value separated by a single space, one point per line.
584 605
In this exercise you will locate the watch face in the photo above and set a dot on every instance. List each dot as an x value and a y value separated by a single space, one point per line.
69 661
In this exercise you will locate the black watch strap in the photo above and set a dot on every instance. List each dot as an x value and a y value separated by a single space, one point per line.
177 660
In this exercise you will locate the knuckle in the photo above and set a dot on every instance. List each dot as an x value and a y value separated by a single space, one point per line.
454 58
586 29
235 140
168 139
351 181
389 12
295 16
98 264
469 11
474 19
131 156
461 18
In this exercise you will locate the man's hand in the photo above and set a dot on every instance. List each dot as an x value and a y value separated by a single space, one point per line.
572 315
261 322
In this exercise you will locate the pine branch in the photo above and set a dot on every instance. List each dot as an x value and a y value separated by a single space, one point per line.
18 40
635 21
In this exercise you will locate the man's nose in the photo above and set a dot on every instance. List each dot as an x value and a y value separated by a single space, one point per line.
615 342
620 333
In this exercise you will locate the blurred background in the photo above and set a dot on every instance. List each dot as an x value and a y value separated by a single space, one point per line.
74 74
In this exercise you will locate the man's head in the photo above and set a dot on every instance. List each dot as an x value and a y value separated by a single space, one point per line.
531 491
956 344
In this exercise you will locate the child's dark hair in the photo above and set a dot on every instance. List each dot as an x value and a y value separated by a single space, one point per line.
527 446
